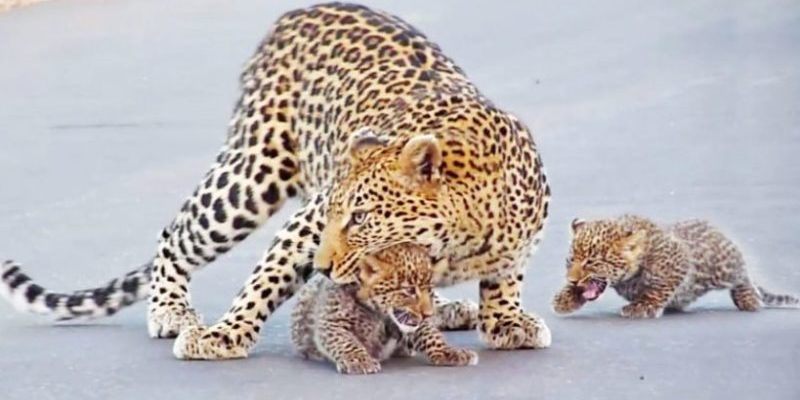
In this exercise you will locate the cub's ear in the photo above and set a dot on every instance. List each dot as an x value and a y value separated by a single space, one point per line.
421 159
370 268
577 224
363 140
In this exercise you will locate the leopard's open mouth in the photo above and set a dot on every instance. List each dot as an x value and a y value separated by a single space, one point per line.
405 321
593 288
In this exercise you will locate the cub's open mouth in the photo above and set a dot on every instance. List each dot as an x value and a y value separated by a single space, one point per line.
404 320
593 289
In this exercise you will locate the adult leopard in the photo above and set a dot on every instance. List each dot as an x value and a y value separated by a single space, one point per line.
387 141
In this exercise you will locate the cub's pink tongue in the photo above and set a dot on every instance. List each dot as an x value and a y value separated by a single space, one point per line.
591 291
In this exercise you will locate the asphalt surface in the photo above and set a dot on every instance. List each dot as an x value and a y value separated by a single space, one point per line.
111 111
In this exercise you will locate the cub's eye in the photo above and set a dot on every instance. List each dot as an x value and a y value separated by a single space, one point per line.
411 291
358 217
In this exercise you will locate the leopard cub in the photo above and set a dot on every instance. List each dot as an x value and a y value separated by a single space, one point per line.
657 268
389 312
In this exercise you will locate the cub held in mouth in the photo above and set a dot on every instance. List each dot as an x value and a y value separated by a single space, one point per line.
389 312
657 268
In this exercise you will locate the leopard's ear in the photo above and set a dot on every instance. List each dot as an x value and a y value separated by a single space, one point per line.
421 159
577 224
362 141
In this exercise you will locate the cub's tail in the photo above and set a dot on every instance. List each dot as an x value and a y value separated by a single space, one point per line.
27 296
778 300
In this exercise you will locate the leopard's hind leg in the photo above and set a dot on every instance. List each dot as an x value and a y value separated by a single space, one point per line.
746 297
256 171
749 297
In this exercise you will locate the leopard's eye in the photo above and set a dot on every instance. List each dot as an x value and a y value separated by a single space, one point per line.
358 217
411 291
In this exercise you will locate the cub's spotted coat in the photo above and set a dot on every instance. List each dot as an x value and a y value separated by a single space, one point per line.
386 141
389 313
657 268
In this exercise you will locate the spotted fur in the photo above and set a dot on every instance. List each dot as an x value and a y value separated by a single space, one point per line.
25 295
415 154
389 312
354 110
657 267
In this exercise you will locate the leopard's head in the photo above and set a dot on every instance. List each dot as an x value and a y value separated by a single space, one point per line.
603 253
392 193
396 282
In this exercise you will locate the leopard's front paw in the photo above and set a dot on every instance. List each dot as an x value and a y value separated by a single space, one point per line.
202 343
568 300
453 357
457 315
641 310
168 322
515 331
358 365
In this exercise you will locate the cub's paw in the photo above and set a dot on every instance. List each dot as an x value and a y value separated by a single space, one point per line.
454 357
568 300
168 322
515 331
358 365
201 343
457 315
641 311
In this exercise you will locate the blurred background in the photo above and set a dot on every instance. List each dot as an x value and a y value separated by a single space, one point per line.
111 111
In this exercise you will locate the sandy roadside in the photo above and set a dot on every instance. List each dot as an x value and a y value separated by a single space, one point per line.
6 5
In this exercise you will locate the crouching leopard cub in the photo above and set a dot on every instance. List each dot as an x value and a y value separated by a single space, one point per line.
657 267
389 313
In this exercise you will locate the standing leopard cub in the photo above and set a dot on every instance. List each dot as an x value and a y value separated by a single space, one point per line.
657 267
389 313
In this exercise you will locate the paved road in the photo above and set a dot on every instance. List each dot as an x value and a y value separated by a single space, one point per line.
110 111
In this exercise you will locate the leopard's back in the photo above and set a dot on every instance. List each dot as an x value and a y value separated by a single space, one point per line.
716 262
336 68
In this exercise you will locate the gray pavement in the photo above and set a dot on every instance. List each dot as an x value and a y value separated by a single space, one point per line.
110 112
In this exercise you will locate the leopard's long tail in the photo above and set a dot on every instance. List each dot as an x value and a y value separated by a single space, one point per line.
27 296
778 300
